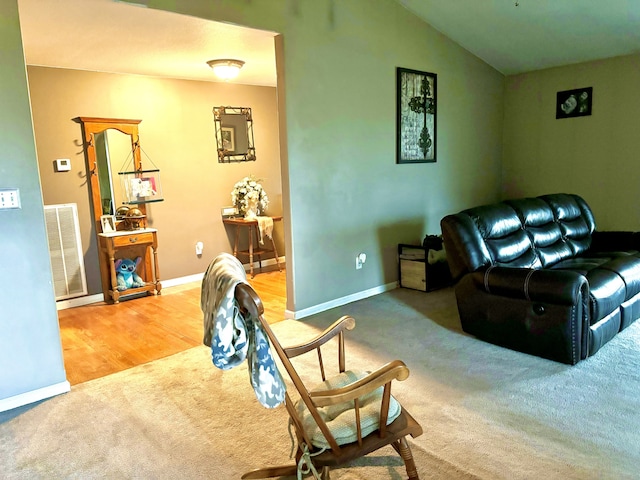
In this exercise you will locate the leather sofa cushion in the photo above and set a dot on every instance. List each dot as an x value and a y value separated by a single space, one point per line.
607 287
559 225
575 219
501 232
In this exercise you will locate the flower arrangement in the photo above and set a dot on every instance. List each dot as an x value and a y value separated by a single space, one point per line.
248 195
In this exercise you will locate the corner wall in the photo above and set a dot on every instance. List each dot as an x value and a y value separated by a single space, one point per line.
347 193
593 156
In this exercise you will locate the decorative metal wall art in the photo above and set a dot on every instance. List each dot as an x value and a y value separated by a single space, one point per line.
416 116
234 134
574 103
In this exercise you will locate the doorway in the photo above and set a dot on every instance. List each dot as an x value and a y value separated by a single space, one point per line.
126 313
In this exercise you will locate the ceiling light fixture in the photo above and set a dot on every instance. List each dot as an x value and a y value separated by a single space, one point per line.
226 68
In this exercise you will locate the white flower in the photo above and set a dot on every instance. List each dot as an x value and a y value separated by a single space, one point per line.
246 189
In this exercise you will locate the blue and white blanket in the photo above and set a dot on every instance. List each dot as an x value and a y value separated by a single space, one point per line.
234 338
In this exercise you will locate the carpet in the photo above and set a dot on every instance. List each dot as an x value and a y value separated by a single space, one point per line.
487 412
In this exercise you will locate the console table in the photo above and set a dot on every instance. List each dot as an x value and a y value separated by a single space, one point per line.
254 232
129 244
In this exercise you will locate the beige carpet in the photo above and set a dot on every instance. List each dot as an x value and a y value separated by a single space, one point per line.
487 412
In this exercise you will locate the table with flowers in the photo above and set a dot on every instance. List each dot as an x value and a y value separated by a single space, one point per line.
254 233
251 201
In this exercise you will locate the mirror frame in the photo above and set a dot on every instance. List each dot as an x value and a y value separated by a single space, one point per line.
92 126
224 156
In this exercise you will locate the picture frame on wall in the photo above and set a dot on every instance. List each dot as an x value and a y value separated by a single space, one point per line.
574 103
416 107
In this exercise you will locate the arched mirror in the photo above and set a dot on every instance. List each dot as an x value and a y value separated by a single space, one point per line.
234 134
113 150
108 143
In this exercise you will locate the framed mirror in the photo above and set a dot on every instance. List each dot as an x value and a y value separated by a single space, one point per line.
234 134
108 140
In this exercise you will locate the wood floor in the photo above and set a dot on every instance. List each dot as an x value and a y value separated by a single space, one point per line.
101 339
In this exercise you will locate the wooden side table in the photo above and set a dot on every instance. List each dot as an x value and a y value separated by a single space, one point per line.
254 232
127 244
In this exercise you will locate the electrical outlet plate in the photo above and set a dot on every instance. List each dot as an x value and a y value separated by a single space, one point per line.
9 198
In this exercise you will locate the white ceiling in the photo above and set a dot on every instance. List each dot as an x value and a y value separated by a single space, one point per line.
108 36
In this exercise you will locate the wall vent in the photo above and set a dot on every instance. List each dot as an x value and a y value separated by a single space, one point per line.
65 250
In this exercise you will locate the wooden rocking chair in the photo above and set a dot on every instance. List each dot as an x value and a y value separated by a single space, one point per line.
369 417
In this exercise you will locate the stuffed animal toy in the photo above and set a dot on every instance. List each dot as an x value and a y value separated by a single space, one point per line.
126 273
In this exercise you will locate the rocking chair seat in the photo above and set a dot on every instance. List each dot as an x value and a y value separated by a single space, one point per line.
341 418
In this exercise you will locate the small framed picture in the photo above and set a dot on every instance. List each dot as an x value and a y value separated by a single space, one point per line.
108 223
228 138
574 103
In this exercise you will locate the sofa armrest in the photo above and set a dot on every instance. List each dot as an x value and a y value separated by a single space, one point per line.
609 241
540 312
558 287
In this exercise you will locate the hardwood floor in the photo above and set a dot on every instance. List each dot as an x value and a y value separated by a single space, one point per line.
101 339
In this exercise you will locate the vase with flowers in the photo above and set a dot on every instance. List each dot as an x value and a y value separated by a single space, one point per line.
249 197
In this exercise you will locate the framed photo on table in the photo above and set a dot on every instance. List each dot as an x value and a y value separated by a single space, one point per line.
416 116
108 223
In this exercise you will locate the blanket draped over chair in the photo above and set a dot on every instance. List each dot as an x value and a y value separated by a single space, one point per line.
234 337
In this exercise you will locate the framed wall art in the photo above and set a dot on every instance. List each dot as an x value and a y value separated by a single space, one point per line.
574 103
416 116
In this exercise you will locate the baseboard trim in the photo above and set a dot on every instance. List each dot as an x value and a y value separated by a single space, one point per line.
176 282
34 396
338 302
173 282
79 301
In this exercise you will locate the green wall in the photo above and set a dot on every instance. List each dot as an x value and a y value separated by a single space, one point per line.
30 351
347 195
594 156
342 191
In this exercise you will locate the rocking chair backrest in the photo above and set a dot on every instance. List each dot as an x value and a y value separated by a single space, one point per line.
249 301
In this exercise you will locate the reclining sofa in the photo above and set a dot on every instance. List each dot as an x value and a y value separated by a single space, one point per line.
535 276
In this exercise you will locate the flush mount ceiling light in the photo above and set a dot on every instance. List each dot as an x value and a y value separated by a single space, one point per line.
226 68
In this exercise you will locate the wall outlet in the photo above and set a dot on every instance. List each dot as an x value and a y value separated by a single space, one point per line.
9 198
199 248
360 259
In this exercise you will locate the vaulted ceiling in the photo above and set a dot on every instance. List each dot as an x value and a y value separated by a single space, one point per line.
513 36
516 36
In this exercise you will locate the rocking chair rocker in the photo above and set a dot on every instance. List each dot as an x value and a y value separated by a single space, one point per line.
348 416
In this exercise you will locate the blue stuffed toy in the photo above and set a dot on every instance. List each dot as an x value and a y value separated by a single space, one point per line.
126 273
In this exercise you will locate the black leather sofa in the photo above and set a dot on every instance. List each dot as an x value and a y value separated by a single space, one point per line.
534 275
